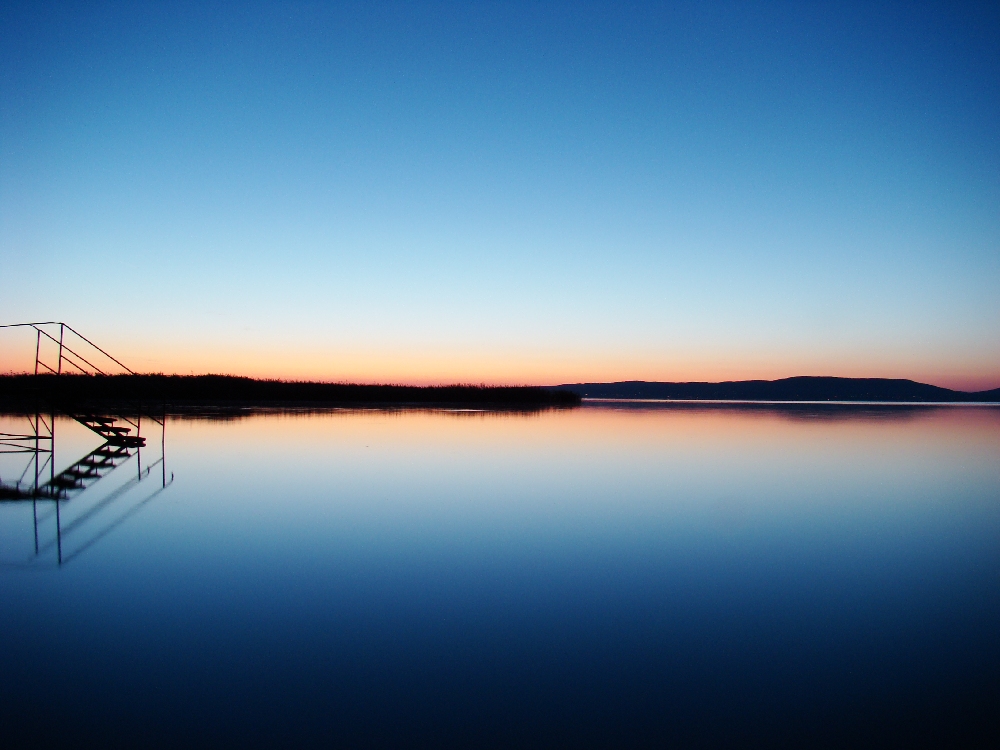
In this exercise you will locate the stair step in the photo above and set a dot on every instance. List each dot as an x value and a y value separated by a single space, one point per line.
112 452
67 482
80 477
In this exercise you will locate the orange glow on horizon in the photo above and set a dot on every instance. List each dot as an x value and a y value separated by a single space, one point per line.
444 364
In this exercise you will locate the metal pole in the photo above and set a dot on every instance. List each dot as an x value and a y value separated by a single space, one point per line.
58 532
38 346
62 328
52 479
52 447
34 495
36 450
138 433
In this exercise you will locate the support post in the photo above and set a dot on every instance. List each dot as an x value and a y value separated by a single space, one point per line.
34 494
58 532
62 329
52 447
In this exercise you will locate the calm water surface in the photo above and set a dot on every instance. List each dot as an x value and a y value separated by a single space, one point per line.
604 576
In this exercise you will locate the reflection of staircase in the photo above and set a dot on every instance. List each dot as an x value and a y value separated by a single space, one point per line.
107 428
74 479
85 472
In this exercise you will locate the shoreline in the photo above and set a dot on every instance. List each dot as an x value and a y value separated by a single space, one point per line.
186 393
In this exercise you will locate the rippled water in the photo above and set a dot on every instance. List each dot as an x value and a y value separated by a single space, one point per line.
604 576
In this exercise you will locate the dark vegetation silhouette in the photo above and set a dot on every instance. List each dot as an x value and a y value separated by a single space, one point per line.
21 391
179 392
786 389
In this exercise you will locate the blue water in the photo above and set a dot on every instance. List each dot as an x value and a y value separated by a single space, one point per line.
599 577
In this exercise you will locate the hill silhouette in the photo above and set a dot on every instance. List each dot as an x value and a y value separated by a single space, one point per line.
787 389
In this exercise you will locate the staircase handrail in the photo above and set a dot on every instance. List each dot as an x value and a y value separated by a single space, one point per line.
64 348
62 345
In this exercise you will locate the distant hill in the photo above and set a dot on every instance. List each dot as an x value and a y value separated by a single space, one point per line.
786 389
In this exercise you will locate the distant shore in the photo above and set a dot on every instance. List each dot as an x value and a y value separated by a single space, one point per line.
220 393
183 393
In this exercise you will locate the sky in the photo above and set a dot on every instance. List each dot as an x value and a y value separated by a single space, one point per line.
509 192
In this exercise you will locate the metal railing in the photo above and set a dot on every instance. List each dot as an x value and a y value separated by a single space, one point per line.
67 354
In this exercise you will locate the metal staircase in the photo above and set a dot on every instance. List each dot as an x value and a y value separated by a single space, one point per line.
59 354
107 428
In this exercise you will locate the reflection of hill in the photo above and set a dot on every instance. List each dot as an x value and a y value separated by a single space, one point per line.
796 411
787 389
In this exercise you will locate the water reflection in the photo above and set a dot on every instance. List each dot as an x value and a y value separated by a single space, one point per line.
809 410
96 513
595 577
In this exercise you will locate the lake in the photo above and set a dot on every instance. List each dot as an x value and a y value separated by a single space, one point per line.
616 575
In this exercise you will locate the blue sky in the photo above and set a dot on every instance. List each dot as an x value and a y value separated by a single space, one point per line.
510 192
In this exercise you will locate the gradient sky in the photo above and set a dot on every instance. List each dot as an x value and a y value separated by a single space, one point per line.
507 193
